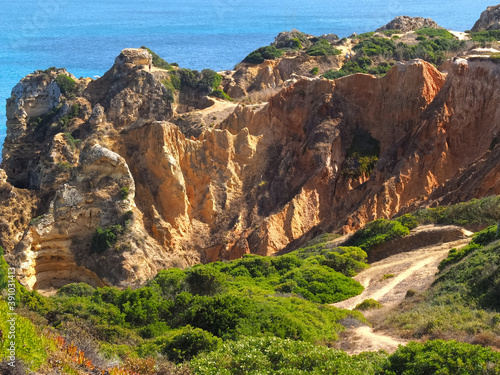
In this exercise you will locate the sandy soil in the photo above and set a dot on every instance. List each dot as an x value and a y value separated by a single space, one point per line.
387 281
460 35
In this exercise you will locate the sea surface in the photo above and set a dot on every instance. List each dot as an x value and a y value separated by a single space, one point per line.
85 36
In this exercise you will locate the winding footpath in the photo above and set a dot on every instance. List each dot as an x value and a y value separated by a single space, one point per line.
387 281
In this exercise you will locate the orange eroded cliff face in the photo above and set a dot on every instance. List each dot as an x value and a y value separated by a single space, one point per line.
320 156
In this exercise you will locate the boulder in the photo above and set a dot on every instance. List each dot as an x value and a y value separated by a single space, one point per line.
407 23
489 20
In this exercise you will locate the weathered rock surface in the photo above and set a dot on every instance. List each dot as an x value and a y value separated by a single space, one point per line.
489 20
407 23
263 180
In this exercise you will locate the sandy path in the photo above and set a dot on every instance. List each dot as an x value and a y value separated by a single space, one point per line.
460 35
410 270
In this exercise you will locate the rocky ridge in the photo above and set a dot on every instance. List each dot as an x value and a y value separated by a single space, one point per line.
406 24
489 20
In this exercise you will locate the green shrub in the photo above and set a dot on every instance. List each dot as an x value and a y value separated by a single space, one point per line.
484 211
218 93
376 47
421 37
66 84
322 48
435 33
264 53
74 143
105 238
272 355
486 36
158 61
365 35
65 120
314 71
377 232
76 290
391 32
368 304
124 191
154 329
362 155
408 220
31 347
205 280
321 285
189 343
442 357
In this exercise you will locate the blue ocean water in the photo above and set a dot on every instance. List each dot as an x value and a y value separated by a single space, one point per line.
86 36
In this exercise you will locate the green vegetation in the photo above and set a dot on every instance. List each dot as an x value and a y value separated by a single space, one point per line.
314 71
485 211
360 65
431 50
368 304
297 41
486 36
495 57
365 35
74 143
391 32
104 238
204 81
64 166
362 155
264 53
158 61
218 93
66 84
388 276
267 315
323 48
442 357
376 233
480 239
271 355
464 301
430 32
376 47
30 345
73 112
124 191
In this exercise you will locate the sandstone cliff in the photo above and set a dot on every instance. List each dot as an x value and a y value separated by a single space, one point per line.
320 156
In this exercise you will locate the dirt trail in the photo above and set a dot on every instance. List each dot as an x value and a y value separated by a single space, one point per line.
387 281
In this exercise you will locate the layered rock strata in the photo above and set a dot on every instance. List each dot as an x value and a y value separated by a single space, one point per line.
266 179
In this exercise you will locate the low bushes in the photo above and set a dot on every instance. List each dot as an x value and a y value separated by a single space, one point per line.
323 48
218 93
158 61
368 304
105 238
480 239
362 155
484 211
442 357
271 355
65 83
430 32
377 232
264 53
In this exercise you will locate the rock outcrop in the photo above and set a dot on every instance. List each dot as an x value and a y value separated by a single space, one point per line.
489 20
123 192
407 23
